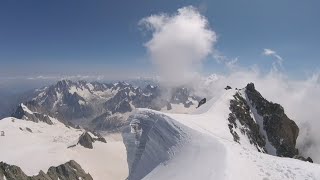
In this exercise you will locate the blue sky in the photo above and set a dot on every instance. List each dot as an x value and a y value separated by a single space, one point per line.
42 37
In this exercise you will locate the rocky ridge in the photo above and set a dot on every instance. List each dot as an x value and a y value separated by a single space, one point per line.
264 123
68 171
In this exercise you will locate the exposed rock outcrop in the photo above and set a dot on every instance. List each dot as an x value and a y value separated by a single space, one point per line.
308 159
240 110
21 113
68 171
11 172
86 140
28 129
282 132
227 88
202 102
263 122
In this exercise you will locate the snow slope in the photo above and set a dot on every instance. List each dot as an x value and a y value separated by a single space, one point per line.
47 145
208 151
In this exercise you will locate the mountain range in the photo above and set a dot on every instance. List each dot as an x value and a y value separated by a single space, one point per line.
104 106
236 135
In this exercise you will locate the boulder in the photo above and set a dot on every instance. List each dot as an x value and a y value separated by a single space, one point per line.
28 129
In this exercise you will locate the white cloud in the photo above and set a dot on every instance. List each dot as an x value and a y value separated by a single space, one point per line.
231 64
179 43
221 59
279 59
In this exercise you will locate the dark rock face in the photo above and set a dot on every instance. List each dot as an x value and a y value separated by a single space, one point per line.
98 137
57 101
227 88
68 171
240 110
35 117
86 140
28 129
232 126
72 109
11 172
19 113
203 101
101 139
271 125
119 102
282 132
303 158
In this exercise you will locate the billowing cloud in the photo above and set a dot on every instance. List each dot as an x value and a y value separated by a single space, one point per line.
278 58
179 43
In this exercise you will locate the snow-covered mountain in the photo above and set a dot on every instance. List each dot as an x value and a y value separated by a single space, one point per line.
105 106
239 135
37 146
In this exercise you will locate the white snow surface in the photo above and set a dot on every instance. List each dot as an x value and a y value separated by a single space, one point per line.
179 108
88 93
26 109
213 155
47 145
208 154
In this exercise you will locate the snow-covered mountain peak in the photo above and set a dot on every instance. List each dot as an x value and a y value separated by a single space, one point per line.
98 105
229 137
237 135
